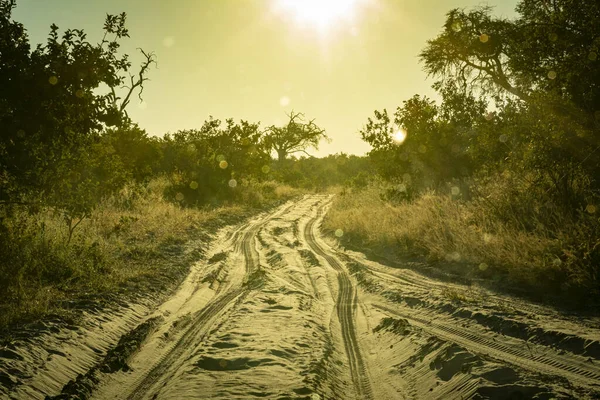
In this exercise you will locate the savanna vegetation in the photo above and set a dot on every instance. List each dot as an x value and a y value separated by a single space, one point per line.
497 180
90 204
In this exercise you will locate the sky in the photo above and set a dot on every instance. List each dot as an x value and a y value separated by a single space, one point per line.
258 60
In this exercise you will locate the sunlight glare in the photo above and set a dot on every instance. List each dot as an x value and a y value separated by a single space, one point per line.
400 136
319 13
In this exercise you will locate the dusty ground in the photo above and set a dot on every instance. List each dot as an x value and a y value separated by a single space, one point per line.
277 311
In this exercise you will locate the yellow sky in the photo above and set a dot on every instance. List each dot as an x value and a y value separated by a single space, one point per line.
250 59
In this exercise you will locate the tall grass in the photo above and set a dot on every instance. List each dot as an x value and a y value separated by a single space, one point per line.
481 238
133 241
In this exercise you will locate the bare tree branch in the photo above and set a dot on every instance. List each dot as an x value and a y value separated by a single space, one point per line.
138 82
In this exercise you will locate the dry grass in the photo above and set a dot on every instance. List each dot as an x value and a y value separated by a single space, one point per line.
466 238
133 241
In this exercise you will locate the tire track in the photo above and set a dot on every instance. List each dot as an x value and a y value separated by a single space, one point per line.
205 319
504 315
574 368
346 307
216 310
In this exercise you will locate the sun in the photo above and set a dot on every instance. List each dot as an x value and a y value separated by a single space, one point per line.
321 14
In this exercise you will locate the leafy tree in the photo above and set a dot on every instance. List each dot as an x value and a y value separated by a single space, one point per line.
552 47
139 154
547 59
558 49
473 48
206 160
438 138
50 107
297 136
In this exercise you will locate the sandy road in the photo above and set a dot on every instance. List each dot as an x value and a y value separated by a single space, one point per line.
279 311
167 361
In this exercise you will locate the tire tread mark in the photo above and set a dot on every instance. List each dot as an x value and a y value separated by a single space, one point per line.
345 305
206 317
523 359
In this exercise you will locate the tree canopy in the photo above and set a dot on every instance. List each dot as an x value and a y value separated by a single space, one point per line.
297 136
51 110
552 47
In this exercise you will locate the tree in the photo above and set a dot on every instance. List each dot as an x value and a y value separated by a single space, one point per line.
438 138
50 108
204 162
297 136
140 155
546 59
552 47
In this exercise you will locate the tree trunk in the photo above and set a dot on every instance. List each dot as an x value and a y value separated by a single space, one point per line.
281 155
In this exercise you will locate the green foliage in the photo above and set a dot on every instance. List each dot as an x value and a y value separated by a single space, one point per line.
438 139
206 165
49 106
52 115
139 154
542 74
525 173
320 173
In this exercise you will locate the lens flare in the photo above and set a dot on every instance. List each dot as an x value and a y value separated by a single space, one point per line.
400 136
284 101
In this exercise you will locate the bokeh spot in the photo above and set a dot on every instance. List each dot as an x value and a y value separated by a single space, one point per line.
169 41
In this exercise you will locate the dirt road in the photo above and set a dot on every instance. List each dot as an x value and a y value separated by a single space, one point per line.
278 311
